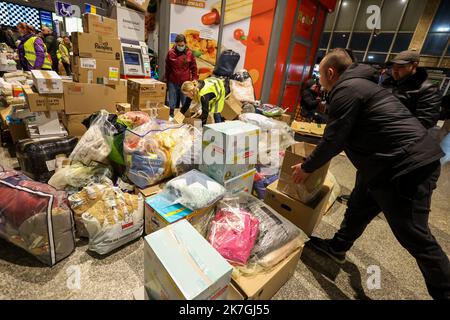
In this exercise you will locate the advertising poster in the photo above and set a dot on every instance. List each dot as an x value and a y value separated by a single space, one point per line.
193 18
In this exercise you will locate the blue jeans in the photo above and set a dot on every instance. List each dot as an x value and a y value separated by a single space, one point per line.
175 97
218 118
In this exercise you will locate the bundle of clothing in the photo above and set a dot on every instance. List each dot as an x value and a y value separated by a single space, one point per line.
35 217
241 86
109 217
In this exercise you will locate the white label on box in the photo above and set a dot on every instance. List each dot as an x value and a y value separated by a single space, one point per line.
87 63
51 164
90 76
113 73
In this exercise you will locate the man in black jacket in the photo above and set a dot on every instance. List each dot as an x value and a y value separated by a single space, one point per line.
411 86
52 47
397 162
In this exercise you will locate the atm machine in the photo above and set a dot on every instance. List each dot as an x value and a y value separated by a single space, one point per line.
135 58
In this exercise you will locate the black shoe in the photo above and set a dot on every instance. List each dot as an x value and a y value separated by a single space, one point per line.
343 199
323 245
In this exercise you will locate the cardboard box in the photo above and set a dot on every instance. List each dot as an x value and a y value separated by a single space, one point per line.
39 102
178 117
264 286
161 212
150 191
162 113
47 81
96 24
46 123
242 183
73 123
123 107
100 71
232 108
306 217
143 92
224 172
140 5
89 98
295 154
179 264
18 132
91 45
284 118
306 128
4 113
193 121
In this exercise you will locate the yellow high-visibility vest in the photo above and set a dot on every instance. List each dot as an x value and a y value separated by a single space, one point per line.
216 86
30 53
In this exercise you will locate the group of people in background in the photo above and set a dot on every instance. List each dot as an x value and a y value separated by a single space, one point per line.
40 50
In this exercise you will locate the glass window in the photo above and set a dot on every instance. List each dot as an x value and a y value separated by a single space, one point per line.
402 42
320 55
441 22
359 56
363 16
324 40
390 14
360 40
339 40
376 57
381 42
346 15
412 15
330 20
435 43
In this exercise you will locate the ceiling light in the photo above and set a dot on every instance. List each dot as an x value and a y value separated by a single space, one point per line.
443 29
344 4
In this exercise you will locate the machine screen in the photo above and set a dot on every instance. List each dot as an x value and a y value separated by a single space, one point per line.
132 58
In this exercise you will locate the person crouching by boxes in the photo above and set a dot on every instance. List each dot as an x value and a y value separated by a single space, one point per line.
209 93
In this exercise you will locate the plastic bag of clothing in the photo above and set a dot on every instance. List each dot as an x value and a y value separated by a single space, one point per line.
241 85
261 182
233 232
270 110
111 218
147 152
195 190
226 64
35 217
275 232
77 175
186 155
95 144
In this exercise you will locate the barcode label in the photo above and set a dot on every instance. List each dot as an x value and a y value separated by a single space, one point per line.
88 63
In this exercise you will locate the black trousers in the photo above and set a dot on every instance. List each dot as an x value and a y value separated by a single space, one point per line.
405 202
68 68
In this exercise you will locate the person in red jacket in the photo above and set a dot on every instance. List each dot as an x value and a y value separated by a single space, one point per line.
180 67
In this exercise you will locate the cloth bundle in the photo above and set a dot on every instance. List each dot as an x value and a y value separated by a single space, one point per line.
233 233
35 217
111 218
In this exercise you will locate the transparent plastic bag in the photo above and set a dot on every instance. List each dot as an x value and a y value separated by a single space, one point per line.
186 155
147 152
243 90
275 236
111 218
95 144
195 190
233 233
78 175
35 217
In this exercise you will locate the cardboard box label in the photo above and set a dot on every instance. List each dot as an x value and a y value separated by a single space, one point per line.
113 73
88 63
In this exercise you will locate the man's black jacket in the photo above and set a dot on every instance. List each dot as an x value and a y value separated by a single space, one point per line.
380 136
419 95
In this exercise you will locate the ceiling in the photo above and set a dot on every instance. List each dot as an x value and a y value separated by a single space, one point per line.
50 4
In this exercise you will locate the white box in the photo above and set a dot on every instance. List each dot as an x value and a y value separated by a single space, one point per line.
179 264
47 81
47 123
130 24
242 183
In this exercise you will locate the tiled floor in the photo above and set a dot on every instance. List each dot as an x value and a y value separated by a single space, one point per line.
116 275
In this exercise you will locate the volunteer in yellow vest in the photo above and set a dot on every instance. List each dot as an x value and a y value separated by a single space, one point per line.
64 50
32 51
209 93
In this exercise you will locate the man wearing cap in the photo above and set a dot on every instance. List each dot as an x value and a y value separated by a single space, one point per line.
410 84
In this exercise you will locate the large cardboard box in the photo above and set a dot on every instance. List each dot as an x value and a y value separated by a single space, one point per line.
96 24
232 108
40 102
91 45
295 154
242 183
306 217
161 211
140 5
73 123
143 92
263 286
307 128
47 81
179 264
89 98
178 117
92 70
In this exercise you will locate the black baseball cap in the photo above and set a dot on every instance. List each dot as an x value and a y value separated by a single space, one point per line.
406 57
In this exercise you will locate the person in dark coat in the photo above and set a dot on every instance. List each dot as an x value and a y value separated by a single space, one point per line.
397 162
52 47
410 84
311 101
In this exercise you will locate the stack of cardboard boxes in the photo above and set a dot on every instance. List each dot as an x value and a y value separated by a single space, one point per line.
148 95
96 72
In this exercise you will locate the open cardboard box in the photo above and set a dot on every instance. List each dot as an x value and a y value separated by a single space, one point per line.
264 286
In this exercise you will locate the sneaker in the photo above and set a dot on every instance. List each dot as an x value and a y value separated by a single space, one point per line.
323 245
